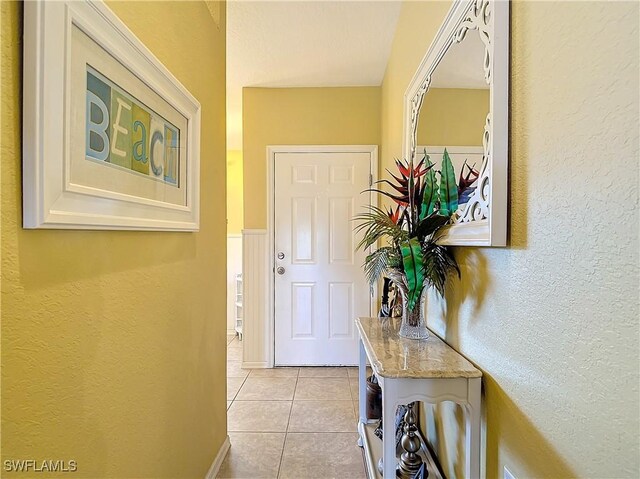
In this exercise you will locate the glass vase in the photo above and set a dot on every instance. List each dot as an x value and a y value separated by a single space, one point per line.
414 322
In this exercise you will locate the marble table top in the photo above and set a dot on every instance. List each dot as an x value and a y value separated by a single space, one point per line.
394 357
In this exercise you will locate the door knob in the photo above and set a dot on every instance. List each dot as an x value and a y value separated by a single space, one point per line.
280 270
281 255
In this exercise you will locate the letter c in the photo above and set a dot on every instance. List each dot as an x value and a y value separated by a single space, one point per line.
157 136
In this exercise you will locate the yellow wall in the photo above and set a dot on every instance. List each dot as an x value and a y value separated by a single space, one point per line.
234 192
416 27
300 116
113 343
453 117
552 320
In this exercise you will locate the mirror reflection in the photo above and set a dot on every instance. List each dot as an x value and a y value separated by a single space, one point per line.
454 111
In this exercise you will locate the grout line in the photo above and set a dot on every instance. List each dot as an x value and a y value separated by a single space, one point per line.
350 391
286 433
353 404
238 391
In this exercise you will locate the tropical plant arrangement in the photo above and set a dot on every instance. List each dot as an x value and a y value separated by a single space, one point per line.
426 201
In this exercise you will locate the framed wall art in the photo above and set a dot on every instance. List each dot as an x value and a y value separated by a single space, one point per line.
111 138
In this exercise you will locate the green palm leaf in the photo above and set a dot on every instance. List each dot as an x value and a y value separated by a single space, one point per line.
380 261
448 187
413 269
430 197
375 225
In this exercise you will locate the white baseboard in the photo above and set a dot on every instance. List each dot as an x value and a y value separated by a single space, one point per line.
231 331
217 462
254 365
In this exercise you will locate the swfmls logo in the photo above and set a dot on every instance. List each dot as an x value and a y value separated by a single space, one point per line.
46 465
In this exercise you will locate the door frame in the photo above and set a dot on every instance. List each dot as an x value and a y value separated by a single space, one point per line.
272 150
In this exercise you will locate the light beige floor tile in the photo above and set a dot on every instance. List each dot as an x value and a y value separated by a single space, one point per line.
323 388
322 456
259 416
267 389
230 337
234 370
228 404
353 372
322 416
234 353
355 388
233 386
356 409
253 455
274 373
323 372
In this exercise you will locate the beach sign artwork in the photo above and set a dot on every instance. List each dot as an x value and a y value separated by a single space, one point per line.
123 132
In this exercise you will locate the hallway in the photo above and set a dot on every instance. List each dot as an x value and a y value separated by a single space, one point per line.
291 422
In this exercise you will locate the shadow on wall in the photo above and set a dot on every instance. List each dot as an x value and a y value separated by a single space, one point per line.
508 426
518 186
445 422
474 287
505 426
115 252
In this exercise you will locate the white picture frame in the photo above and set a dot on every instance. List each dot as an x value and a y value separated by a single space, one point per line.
64 186
483 222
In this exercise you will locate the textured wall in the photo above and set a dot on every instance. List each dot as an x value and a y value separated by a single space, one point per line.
552 320
234 192
300 116
113 343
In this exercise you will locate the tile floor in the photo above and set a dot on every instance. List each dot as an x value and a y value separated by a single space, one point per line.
291 422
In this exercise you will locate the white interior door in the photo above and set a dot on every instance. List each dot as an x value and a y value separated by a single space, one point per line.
320 287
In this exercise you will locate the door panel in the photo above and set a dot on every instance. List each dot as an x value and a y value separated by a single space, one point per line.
340 310
321 288
303 230
340 230
302 310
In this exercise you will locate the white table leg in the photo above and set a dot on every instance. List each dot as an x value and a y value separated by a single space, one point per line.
389 406
362 388
362 384
473 418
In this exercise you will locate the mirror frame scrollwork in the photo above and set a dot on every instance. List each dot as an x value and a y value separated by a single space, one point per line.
483 221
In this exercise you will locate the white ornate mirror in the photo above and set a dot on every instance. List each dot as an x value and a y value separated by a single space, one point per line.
458 100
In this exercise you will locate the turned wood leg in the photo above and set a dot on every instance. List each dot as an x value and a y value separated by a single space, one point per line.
410 461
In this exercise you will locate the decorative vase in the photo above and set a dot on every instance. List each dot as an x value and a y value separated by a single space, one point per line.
414 322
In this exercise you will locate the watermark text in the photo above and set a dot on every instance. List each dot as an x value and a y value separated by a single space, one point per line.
44 465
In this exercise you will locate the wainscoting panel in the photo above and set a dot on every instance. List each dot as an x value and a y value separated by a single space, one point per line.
256 302
234 267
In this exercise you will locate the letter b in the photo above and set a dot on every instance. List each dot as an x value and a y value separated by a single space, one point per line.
97 139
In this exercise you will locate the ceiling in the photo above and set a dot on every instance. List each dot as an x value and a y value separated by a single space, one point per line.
304 44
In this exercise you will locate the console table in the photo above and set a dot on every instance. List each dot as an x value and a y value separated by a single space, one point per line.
410 370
